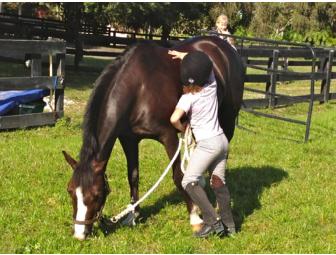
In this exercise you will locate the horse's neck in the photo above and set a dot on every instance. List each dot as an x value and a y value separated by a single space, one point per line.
110 124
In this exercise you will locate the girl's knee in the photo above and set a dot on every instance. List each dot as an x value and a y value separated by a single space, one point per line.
188 179
217 181
185 181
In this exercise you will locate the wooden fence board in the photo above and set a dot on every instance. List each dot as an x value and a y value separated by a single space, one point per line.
298 53
22 83
29 120
257 78
32 46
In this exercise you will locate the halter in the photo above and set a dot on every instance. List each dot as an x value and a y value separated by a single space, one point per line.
99 214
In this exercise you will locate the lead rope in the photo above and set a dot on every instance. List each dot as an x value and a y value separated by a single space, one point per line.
186 141
189 146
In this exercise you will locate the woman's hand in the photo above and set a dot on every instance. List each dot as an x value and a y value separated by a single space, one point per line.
177 54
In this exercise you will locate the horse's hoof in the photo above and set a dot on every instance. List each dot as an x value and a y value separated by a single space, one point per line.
196 227
129 220
80 237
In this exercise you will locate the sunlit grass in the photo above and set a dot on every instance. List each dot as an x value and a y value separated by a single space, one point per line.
282 189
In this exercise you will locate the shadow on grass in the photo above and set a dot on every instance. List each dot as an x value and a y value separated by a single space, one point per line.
273 132
246 185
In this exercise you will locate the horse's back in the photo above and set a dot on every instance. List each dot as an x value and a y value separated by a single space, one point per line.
154 86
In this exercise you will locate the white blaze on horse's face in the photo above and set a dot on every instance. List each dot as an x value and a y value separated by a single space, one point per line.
80 215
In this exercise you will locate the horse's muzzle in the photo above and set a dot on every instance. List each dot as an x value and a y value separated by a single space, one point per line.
80 237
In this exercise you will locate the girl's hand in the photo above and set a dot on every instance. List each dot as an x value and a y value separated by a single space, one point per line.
177 54
186 126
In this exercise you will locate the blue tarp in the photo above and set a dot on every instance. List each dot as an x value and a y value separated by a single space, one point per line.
12 98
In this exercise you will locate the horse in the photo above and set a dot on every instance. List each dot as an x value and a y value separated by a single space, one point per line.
132 100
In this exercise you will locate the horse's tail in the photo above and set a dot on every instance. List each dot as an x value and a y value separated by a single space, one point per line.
104 82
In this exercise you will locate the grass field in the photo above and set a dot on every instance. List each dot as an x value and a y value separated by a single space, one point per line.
283 190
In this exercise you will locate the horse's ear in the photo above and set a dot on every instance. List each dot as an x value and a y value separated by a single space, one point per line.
70 160
98 166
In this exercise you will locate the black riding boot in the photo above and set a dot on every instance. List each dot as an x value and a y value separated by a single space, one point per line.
212 225
223 199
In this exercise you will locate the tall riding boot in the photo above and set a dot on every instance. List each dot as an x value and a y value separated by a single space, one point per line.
212 224
223 199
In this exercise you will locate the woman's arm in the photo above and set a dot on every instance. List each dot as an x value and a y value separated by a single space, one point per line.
175 119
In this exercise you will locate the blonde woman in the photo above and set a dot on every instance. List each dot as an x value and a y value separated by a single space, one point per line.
222 28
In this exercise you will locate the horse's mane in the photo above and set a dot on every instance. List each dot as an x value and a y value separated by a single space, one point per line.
84 173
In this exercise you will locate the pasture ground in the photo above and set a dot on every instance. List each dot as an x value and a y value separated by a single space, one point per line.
283 190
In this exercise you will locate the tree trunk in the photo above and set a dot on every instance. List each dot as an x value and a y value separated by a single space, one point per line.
165 32
73 18
20 9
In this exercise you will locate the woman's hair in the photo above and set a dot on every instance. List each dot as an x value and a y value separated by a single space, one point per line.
222 16
191 89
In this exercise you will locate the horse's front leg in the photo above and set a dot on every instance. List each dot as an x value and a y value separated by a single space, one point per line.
170 140
130 146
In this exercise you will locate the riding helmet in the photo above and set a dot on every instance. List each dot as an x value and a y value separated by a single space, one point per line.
196 68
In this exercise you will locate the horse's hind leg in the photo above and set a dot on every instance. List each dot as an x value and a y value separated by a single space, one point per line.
130 146
170 141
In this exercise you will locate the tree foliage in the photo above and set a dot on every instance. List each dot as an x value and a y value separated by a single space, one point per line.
313 22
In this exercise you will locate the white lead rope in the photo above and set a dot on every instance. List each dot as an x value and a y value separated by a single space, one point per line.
131 207
189 147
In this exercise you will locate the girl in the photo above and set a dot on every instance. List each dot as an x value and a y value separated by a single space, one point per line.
200 103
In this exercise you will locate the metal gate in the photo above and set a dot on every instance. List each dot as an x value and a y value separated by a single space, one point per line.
301 55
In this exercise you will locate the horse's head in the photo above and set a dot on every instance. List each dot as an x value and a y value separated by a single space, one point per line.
88 189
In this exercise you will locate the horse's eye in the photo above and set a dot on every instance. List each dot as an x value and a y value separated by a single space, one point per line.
96 195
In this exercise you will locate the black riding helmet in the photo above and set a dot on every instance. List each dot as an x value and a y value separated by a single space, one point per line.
196 68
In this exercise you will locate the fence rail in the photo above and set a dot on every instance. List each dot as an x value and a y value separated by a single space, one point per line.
28 27
54 50
273 59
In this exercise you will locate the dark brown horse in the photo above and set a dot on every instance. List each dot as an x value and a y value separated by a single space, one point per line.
133 99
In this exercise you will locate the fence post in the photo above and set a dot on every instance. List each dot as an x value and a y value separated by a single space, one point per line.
323 69
114 38
326 87
36 65
268 83
133 36
274 74
59 93
109 31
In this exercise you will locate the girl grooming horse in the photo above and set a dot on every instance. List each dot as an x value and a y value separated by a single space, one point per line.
201 105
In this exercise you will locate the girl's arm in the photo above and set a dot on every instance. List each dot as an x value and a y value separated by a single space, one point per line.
175 119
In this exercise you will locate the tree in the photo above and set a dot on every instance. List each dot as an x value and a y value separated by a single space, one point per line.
163 17
72 20
95 15
269 20
313 23
192 18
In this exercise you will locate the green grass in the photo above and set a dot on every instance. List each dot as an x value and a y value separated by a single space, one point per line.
283 190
